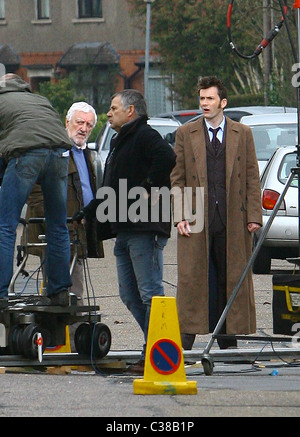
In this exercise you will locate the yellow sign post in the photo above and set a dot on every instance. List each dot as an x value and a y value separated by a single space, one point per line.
164 366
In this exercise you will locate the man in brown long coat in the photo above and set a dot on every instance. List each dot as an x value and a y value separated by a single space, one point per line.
212 259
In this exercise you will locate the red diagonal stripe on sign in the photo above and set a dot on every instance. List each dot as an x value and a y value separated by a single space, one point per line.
168 359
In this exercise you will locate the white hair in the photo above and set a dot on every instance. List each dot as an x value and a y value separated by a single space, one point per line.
81 106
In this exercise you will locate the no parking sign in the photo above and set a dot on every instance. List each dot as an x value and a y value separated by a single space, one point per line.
164 367
165 356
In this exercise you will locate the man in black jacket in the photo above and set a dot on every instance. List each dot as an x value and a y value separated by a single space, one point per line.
138 165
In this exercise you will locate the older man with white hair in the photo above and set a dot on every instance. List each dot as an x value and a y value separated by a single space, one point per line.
81 118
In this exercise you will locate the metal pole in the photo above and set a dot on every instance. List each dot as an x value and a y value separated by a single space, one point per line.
298 59
147 50
267 53
234 293
298 118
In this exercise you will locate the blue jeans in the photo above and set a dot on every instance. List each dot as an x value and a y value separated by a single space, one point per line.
50 169
139 258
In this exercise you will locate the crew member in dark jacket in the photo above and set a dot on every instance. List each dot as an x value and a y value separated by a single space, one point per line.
35 147
138 165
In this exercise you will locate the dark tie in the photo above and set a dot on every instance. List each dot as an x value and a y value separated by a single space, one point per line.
215 142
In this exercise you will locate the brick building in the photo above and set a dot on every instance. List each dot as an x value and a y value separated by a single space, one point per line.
44 40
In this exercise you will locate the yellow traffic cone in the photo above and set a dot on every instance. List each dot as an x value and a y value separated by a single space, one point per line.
62 348
164 366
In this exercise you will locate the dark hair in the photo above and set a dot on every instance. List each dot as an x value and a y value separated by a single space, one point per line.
132 97
209 81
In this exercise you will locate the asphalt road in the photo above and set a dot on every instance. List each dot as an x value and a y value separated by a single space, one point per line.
235 389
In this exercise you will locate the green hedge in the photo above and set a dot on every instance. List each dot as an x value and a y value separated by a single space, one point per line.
246 100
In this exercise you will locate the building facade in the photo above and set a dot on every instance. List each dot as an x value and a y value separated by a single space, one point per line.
43 40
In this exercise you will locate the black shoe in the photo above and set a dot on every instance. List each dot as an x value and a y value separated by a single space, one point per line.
187 341
39 300
137 368
61 299
3 303
227 343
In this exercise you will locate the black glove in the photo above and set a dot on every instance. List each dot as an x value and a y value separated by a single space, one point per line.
87 213
78 216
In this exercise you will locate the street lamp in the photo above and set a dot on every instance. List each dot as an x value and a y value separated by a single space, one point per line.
147 49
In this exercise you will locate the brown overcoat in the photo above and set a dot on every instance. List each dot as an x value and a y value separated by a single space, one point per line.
243 200
90 244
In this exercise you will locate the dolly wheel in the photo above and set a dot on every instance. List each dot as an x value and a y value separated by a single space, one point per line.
102 340
208 365
29 341
82 339
14 340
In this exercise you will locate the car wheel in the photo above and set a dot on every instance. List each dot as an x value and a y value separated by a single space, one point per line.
262 262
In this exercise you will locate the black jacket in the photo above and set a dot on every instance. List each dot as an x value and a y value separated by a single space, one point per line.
139 157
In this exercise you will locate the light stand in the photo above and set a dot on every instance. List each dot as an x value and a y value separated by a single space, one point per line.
297 6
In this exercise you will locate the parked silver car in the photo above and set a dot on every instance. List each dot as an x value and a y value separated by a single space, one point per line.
282 239
271 131
165 126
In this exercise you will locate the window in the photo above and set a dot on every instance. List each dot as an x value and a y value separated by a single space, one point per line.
43 9
2 9
90 8
288 162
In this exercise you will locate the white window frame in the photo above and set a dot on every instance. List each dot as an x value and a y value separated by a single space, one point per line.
83 21
2 10
43 4
38 20
90 17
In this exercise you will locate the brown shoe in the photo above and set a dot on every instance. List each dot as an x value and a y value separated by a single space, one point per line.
137 368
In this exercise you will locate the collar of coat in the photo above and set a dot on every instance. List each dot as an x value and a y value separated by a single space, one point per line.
132 125
127 129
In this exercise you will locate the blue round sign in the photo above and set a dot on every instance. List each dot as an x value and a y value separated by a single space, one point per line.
165 356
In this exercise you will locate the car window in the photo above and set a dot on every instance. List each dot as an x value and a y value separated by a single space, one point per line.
164 130
269 137
101 133
288 162
110 134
